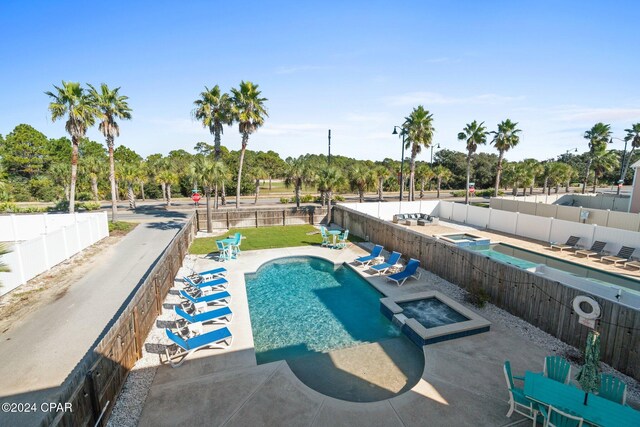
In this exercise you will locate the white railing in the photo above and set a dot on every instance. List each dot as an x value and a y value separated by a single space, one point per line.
58 239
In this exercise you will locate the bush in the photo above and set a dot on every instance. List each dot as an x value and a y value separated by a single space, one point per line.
338 198
84 196
478 193
307 198
477 296
8 207
90 206
61 206
284 200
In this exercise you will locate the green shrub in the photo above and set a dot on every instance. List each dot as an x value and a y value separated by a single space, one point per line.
61 206
284 200
8 207
477 296
90 206
307 198
84 196
338 198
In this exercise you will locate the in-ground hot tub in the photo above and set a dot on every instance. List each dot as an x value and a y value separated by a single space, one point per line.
464 239
431 317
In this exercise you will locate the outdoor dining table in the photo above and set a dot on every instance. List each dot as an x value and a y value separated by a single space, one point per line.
228 242
335 234
568 398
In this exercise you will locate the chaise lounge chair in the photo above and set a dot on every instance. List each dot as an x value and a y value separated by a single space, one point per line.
392 261
633 264
365 260
624 254
596 249
215 285
212 274
217 315
220 338
572 241
200 302
410 270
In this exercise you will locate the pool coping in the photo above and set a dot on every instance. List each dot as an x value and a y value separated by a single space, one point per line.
424 336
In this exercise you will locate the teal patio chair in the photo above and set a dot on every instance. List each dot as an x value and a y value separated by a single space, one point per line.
235 246
325 236
557 368
517 401
553 417
611 388
342 242
224 253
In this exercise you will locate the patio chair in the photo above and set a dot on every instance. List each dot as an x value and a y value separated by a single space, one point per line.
557 368
218 315
553 417
596 249
624 255
220 338
325 236
634 264
342 242
517 401
201 302
410 270
365 260
235 246
392 261
224 253
214 285
611 388
572 241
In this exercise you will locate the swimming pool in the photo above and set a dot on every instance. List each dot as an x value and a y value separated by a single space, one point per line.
305 305
525 259
464 239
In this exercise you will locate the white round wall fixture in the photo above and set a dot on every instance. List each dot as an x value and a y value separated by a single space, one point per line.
595 307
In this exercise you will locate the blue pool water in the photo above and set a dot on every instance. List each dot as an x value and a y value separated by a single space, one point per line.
431 312
303 305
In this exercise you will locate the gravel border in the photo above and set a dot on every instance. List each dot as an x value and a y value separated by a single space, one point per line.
128 407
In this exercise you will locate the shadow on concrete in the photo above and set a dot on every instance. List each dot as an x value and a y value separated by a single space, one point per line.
169 225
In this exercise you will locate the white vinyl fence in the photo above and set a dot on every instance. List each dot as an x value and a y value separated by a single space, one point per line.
39 242
386 210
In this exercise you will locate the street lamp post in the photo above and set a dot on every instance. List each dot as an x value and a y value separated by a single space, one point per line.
395 132
431 162
624 155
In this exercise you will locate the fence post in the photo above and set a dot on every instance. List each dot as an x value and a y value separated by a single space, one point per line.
515 231
227 220
550 229
47 264
256 218
608 213
18 252
593 236
14 227
136 332
284 215
44 220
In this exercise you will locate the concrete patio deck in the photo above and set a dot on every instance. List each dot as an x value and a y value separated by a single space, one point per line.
462 382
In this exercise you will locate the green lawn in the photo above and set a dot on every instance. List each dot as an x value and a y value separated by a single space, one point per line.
265 238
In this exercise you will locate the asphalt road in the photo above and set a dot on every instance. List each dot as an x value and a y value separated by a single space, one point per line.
37 354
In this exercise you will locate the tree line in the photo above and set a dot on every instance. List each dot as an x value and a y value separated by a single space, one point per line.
35 167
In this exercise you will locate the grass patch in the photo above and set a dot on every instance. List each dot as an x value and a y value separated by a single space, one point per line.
120 228
265 238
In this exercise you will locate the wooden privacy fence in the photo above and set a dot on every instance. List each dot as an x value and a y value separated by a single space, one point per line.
246 218
544 303
94 384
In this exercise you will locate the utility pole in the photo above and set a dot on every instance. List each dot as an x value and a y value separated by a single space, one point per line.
329 159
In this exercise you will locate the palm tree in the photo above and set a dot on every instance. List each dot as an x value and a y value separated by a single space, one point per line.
249 111
603 161
93 166
129 173
598 137
361 179
633 136
535 169
441 174
59 173
111 106
330 179
210 174
418 128
473 134
381 174
71 101
213 109
505 138
424 174
143 176
297 172
167 178
257 173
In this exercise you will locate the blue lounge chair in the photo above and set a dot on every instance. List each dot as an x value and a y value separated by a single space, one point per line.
220 338
375 253
410 270
210 274
518 402
218 315
216 284
393 259
219 298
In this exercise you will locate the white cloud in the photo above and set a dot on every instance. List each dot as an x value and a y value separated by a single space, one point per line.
434 98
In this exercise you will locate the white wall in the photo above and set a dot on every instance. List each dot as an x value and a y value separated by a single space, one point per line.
64 238
386 210
24 227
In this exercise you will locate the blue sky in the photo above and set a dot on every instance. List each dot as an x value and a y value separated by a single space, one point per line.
357 68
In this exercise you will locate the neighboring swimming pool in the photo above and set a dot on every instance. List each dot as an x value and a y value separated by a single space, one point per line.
527 260
304 305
